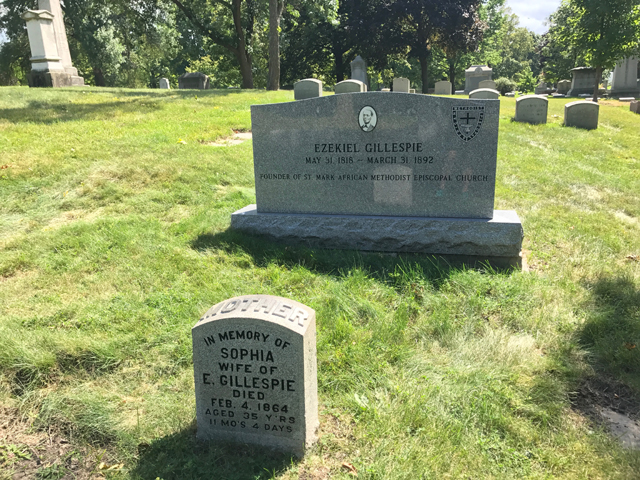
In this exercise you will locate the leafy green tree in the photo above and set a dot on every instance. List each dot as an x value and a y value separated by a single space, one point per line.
606 30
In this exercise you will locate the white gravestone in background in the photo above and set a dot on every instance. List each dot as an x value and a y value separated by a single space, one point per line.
485 93
581 114
401 84
442 88
487 84
254 360
474 75
164 84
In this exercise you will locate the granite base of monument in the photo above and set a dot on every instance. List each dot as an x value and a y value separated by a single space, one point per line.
497 241
48 79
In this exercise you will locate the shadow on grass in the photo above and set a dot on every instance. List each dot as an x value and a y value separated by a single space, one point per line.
53 111
612 332
337 263
181 457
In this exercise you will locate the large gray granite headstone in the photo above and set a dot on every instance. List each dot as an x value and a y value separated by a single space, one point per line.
307 88
193 80
359 70
484 93
401 84
474 75
583 81
377 154
349 86
254 360
625 78
581 114
531 109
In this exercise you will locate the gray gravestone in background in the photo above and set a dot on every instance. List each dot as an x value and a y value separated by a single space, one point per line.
581 114
542 89
564 86
359 70
401 85
625 78
307 88
531 109
442 88
487 84
349 86
474 75
193 80
635 107
164 84
485 93
583 82
254 360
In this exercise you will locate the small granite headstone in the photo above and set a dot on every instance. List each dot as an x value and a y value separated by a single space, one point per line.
254 360
307 88
442 88
401 85
412 90
564 86
485 93
164 84
487 84
193 80
349 86
532 109
635 107
581 114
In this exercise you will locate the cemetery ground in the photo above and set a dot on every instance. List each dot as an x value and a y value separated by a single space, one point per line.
114 216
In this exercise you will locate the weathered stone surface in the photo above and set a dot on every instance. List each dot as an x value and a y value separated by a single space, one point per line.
487 84
532 109
385 89
564 86
542 89
193 80
307 88
500 236
42 41
442 88
401 85
48 79
412 90
583 82
625 78
635 107
474 75
377 154
359 70
484 93
349 86
254 360
164 84
581 114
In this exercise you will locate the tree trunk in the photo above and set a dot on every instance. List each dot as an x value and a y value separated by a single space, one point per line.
452 75
275 12
424 68
597 87
98 77
244 59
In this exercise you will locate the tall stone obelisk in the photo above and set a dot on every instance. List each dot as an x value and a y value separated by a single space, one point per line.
54 7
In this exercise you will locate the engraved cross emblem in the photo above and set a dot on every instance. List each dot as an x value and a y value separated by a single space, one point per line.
465 124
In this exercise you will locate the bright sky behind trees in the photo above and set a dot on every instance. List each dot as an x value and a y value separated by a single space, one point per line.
534 13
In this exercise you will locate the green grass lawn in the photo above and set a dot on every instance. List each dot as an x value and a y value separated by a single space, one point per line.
114 239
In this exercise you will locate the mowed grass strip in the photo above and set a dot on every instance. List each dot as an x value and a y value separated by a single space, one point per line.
114 216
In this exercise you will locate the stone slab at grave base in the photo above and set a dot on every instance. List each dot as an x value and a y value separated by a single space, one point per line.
47 79
497 241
